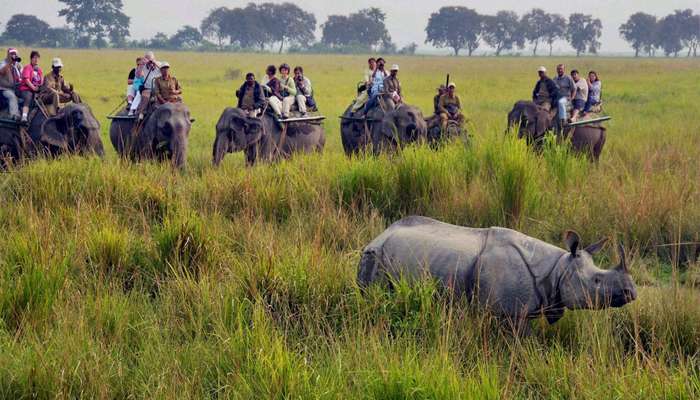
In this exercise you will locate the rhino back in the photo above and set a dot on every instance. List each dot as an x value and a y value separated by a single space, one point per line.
418 247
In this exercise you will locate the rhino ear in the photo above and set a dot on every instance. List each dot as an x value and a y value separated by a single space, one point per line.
597 246
572 240
622 267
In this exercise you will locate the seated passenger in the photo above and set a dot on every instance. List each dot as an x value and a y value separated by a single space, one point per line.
32 79
392 86
567 91
250 96
150 71
581 95
288 90
363 94
450 107
55 90
305 93
436 100
377 85
131 89
272 89
546 92
595 87
10 76
166 88
137 88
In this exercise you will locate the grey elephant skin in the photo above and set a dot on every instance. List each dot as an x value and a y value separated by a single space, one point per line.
513 275
74 130
535 122
386 131
262 139
163 136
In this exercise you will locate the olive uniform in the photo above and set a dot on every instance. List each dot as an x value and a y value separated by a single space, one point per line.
450 108
56 91
167 89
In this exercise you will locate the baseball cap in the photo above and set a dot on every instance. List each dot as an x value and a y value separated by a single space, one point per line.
164 64
394 67
542 69
452 84
56 62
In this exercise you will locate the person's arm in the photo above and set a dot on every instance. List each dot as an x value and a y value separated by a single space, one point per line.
156 91
535 90
291 89
573 87
178 88
6 66
27 78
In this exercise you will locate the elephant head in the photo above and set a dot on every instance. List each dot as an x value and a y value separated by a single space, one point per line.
405 124
533 121
73 130
166 133
236 131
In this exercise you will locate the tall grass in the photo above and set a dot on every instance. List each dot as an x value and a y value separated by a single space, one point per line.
133 281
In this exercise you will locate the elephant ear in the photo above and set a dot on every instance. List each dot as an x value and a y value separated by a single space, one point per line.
53 131
162 116
542 123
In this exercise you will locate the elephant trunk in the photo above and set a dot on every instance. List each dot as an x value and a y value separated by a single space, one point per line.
178 145
221 145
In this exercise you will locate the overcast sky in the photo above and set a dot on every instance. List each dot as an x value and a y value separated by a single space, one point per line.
406 19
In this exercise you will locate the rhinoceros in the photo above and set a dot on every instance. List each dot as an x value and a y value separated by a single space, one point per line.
515 276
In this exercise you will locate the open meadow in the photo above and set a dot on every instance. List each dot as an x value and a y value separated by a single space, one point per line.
136 281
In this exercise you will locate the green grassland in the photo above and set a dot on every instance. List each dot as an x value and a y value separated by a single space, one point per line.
135 281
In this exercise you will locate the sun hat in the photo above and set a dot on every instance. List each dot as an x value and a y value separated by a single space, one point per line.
56 62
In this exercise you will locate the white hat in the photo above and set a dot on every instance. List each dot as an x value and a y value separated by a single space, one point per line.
56 62
149 56
164 64
394 67
542 69
452 84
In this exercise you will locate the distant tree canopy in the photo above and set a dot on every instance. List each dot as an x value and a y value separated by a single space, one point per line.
583 33
26 29
95 20
640 32
455 27
503 31
364 29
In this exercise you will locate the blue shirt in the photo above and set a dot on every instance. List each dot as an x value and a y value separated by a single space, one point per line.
378 82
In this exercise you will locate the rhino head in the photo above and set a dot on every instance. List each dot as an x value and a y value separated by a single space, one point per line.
582 285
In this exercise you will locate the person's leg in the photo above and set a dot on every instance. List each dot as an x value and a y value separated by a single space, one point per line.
27 97
130 94
276 105
301 103
135 103
443 121
287 103
371 102
12 104
145 99
562 103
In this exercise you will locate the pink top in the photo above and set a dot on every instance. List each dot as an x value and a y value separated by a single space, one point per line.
31 74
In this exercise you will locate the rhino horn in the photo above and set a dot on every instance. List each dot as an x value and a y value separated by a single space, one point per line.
597 246
572 240
622 267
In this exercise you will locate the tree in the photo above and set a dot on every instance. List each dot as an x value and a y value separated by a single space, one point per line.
26 29
689 26
455 27
159 41
59 37
502 31
97 19
364 30
554 30
534 25
583 33
670 35
186 38
409 49
292 24
212 26
639 31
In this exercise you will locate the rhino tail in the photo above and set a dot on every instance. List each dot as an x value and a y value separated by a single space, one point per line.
369 266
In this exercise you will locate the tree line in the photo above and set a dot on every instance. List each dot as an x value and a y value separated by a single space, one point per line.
279 27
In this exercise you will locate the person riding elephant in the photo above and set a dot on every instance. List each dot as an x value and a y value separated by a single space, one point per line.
546 92
164 135
55 90
250 96
355 127
263 139
10 76
166 88
534 123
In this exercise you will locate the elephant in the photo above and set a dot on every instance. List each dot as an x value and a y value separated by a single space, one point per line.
436 137
354 133
163 135
534 122
263 139
403 125
74 130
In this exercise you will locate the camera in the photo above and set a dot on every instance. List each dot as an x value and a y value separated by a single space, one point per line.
16 59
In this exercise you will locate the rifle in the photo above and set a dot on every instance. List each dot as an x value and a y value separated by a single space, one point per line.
447 82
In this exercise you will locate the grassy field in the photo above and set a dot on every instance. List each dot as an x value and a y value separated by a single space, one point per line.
135 281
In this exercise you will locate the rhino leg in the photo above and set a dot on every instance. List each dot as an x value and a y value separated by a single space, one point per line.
369 266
